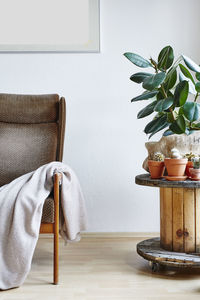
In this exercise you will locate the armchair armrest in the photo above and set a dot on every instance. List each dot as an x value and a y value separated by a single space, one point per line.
57 177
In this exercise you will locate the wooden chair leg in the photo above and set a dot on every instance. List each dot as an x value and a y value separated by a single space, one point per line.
56 258
56 227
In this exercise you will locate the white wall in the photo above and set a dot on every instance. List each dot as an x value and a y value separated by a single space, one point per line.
104 140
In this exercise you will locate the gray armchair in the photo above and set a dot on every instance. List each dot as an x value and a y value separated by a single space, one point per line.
32 131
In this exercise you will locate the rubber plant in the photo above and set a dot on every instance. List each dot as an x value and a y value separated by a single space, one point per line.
168 89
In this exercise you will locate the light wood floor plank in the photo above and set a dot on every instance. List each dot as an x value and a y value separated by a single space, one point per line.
102 268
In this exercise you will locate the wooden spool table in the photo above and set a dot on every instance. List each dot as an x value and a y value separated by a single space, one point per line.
179 242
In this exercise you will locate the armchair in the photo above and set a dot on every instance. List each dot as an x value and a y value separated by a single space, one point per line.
32 131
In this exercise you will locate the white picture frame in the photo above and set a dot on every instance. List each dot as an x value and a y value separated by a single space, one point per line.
49 26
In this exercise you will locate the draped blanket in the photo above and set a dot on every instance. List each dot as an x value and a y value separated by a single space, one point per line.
21 206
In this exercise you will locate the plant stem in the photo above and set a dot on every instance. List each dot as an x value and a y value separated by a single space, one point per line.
197 95
171 111
163 90
155 66
194 128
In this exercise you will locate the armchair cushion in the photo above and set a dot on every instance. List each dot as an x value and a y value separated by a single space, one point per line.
48 210
29 133
29 108
25 147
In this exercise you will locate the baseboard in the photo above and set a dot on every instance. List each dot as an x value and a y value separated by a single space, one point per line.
119 234
112 235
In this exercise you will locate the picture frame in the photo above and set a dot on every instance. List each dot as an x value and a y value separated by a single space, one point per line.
49 26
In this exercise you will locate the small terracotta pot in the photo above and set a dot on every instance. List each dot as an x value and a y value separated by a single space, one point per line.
195 173
156 168
188 167
175 166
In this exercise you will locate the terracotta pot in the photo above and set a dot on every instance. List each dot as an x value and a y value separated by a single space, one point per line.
188 167
175 166
195 173
156 168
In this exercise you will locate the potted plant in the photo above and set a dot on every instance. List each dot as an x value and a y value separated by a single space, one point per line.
195 171
166 92
176 164
156 165
189 165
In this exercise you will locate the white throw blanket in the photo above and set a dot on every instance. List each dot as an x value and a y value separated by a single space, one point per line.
21 205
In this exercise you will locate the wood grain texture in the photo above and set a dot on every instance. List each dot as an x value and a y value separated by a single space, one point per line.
178 244
150 250
47 228
145 179
54 227
178 219
98 268
162 227
189 220
57 178
166 221
197 219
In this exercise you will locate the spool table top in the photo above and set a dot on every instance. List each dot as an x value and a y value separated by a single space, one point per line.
145 179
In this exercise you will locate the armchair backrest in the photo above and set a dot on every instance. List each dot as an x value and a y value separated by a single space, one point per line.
31 133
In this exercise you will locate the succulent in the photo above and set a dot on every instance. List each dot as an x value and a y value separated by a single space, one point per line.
196 162
158 156
190 156
175 153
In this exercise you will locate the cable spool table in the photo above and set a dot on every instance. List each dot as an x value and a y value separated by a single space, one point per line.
179 242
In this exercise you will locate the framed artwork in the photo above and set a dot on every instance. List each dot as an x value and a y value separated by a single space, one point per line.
49 25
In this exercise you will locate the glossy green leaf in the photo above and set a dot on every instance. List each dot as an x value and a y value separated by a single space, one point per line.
182 77
191 64
171 70
139 77
178 126
181 93
197 87
164 125
137 60
145 96
171 80
191 111
198 76
186 72
149 109
160 95
181 112
189 131
163 104
156 124
170 118
167 132
152 82
165 58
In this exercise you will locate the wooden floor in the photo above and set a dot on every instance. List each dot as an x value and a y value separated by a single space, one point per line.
102 268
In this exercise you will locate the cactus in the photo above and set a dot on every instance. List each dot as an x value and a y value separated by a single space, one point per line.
196 162
190 156
158 156
175 153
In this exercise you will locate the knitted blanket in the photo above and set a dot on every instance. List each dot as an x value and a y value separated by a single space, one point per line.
21 206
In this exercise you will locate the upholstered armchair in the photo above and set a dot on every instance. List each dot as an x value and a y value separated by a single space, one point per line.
32 134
